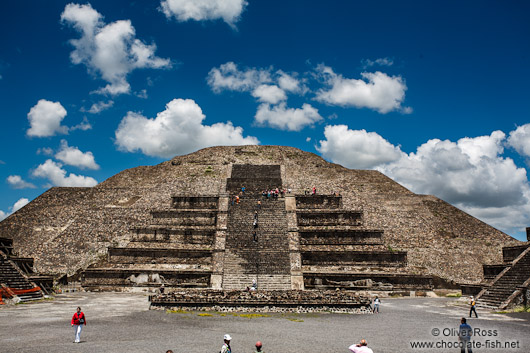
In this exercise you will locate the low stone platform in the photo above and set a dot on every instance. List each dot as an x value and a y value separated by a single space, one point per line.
263 301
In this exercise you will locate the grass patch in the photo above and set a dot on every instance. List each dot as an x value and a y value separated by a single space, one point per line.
522 309
517 309
204 314
180 311
453 295
252 316
294 320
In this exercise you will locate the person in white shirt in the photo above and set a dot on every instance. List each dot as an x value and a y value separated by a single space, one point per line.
377 302
362 347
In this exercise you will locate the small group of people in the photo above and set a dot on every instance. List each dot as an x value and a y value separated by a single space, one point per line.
313 191
234 200
227 349
273 193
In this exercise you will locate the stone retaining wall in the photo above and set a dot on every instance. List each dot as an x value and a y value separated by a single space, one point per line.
263 301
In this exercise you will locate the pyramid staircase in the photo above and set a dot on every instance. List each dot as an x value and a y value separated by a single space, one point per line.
265 260
15 280
512 282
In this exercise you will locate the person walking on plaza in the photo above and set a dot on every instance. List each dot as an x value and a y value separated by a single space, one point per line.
464 336
472 304
377 302
78 321
226 346
362 347
258 347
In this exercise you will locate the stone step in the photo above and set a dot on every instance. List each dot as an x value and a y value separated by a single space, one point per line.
155 255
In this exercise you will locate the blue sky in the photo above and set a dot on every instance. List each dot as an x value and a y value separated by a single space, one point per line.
433 94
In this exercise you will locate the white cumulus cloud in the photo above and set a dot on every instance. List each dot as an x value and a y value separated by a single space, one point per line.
283 118
269 94
201 10
376 90
17 206
109 50
290 83
45 119
471 173
98 107
16 182
229 77
520 140
73 156
357 149
175 131
83 125
57 175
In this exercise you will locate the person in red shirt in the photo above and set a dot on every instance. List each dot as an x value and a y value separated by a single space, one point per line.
78 321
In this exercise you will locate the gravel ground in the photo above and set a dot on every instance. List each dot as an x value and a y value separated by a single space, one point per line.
120 322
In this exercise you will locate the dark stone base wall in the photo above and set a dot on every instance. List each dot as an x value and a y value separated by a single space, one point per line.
159 256
358 281
265 301
380 258
112 279
509 253
491 271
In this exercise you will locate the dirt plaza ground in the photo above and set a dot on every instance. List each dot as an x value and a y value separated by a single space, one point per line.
122 322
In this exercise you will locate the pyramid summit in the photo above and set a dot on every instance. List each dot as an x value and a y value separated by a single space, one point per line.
178 223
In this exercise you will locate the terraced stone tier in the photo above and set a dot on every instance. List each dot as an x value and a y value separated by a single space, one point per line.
114 279
255 178
256 171
367 281
318 201
509 253
167 235
329 218
195 202
159 256
252 187
271 299
341 237
184 218
380 258
492 271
